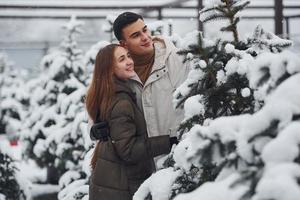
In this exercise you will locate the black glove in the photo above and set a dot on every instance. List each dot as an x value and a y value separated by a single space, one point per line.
173 140
100 131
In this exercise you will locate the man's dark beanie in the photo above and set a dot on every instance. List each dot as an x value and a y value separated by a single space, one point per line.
124 20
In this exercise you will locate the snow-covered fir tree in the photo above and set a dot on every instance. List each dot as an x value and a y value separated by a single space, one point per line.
107 27
228 78
90 58
74 183
54 130
14 100
265 145
10 188
3 67
164 28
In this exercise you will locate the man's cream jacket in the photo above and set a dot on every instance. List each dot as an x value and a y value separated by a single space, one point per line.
155 97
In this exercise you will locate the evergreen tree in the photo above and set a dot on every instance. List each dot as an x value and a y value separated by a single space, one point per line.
90 58
53 135
265 144
14 100
74 183
217 86
3 62
9 186
156 27
165 29
3 66
108 26
225 9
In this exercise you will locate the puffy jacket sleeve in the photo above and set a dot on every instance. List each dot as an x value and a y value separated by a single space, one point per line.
129 146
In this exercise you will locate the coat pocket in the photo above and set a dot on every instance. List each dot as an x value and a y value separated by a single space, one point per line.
110 174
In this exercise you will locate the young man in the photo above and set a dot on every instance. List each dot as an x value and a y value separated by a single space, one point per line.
159 69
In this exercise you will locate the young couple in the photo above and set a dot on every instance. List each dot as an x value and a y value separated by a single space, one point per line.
132 86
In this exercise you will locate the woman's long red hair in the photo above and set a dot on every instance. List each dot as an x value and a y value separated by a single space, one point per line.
101 90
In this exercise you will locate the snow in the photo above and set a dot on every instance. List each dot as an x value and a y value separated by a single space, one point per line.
246 92
57 134
268 38
221 77
38 189
180 153
229 48
39 147
276 180
202 64
239 65
285 147
278 66
73 189
86 167
68 177
164 178
221 190
65 102
193 106
29 170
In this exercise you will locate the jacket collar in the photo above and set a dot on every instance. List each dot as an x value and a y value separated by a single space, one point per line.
122 86
163 49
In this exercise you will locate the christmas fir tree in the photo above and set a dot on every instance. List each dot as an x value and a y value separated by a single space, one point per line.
74 183
10 189
14 100
54 130
221 101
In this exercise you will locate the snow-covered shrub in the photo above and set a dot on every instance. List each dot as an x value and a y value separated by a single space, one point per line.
9 187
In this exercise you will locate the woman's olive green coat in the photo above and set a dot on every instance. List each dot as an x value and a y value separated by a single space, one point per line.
126 159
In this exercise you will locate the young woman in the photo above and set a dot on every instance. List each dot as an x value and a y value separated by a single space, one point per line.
123 162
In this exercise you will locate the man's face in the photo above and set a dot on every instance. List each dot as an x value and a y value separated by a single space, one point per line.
137 38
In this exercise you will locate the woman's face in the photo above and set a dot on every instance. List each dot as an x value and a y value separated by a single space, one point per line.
123 64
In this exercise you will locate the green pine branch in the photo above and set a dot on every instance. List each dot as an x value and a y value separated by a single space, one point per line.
216 16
